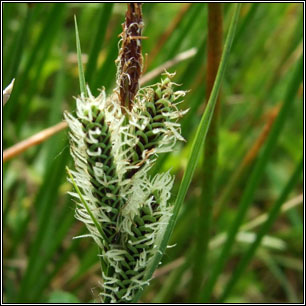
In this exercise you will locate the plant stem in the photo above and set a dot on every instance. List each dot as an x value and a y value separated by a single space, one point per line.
32 141
214 52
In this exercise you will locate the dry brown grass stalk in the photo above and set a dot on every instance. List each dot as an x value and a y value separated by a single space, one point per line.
32 141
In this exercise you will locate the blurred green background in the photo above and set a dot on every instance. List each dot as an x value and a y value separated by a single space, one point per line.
42 263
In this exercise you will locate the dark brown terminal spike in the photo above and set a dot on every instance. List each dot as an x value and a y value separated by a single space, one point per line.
130 57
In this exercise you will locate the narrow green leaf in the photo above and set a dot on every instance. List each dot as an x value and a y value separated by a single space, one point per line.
246 22
281 277
80 64
53 240
49 276
174 43
210 154
43 57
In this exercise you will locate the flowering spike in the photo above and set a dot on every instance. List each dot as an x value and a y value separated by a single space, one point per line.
113 152
113 147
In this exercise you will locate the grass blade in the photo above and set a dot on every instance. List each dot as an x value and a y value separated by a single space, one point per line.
197 144
242 167
168 32
80 65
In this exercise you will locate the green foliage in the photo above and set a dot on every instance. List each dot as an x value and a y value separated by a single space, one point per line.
40 52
